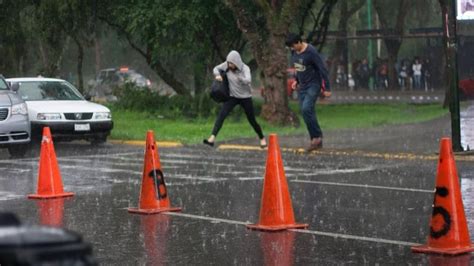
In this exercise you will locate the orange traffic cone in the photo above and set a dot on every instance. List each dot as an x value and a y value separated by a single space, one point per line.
276 210
50 184
448 228
153 194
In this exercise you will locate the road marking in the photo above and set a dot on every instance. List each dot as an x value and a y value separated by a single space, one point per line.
331 171
164 144
388 156
334 235
353 237
240 147
362 186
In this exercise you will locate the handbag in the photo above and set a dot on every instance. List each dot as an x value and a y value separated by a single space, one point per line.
220 89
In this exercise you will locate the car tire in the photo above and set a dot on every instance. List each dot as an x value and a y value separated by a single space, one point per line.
18 151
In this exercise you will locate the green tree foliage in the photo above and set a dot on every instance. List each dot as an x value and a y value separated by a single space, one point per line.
12 40
176 37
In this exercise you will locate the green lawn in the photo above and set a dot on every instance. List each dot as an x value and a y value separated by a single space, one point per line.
132 125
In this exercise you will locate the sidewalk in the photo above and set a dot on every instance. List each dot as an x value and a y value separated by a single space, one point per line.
418 138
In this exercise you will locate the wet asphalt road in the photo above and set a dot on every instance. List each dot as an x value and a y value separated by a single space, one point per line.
362 208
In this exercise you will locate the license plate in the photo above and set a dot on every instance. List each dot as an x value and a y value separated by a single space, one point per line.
82 127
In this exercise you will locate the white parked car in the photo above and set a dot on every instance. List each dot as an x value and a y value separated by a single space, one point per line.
59 105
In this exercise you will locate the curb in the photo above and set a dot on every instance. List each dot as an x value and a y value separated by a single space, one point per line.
164 144
369 154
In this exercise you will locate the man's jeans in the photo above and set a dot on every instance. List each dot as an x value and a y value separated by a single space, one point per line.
307 97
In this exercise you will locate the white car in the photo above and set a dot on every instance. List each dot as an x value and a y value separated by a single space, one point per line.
59 105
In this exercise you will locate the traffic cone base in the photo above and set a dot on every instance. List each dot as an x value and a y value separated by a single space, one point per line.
58 195
152 211
276 227
444 251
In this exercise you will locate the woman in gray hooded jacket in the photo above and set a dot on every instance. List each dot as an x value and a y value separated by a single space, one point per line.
238 75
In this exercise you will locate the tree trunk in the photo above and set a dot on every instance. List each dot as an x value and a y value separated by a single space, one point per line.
393 47
97 54
275 108
80 59
169 78
339 56
271 56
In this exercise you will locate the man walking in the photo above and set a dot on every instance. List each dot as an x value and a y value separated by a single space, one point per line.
311 80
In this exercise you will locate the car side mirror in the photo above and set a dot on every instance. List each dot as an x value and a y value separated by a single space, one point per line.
15 87
87 97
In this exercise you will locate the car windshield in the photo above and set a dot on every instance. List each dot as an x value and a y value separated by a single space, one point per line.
48 90
3 85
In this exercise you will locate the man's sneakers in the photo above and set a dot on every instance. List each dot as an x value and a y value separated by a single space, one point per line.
316 144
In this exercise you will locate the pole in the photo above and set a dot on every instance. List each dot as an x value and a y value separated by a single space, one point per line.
369 48
453 72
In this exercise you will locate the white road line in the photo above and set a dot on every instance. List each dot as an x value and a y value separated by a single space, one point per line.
362 186
207 218
334 235
249 178
333 171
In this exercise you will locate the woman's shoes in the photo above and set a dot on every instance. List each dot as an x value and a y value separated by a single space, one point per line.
263 143
205 141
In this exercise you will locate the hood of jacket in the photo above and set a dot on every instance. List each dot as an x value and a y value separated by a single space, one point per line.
234 58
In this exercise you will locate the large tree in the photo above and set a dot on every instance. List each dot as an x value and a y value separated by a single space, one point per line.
265 24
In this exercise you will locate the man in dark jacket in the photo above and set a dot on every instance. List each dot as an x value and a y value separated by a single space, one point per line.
311 80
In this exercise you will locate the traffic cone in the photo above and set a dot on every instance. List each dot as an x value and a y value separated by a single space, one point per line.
448 228
153 194
50 184
276 211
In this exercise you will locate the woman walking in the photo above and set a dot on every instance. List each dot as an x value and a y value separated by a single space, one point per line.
238 75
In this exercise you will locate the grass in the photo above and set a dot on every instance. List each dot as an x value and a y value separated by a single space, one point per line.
132 125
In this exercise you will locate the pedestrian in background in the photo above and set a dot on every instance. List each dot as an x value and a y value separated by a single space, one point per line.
311 77
238 75
417 74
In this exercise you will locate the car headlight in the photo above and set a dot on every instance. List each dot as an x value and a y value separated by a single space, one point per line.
103 115
19 109
48 116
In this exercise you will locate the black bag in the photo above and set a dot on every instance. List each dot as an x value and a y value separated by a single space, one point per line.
220 89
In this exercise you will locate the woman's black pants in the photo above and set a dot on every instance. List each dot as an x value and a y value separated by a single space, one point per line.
227 107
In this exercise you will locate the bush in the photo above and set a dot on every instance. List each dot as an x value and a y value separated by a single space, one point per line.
133 98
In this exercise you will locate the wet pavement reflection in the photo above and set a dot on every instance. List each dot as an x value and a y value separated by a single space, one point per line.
360 210
51 212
